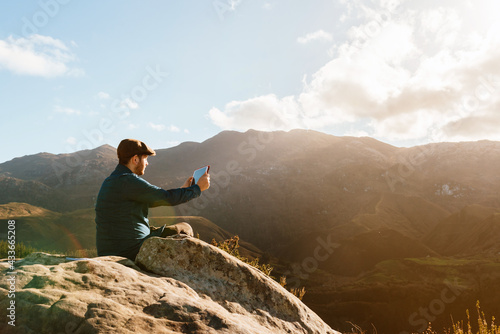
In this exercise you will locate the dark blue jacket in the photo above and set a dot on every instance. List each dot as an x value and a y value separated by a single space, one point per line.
122 211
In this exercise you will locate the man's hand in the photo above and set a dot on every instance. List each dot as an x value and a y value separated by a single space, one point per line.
188 182
204 182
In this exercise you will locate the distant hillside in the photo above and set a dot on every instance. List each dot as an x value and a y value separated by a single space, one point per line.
34 192
52 231
48 230
63 182
412 216
205 230
475 226
360 253
403 295
61 169
16 210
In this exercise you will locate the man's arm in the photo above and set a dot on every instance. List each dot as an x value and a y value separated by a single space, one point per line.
138 189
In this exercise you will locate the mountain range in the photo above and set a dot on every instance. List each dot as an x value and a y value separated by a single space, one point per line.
330 211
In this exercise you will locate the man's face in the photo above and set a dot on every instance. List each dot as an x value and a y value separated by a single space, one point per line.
141 165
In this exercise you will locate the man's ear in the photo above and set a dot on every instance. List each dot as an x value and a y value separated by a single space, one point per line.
136 159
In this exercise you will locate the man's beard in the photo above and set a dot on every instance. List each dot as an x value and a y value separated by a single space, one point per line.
139 170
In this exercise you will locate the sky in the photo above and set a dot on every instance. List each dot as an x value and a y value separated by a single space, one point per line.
79 74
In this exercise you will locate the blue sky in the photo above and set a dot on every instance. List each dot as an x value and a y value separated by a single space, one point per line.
79 74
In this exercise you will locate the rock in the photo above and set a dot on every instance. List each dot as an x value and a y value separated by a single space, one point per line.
189 287
239 288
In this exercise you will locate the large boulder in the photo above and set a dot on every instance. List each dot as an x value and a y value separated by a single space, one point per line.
177 285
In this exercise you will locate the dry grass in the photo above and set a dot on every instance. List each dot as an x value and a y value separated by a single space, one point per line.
482 324
457 328
23 250
231 246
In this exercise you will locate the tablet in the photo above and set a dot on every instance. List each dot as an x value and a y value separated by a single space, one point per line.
199 173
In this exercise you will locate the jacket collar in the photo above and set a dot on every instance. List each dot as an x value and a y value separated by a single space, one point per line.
121 169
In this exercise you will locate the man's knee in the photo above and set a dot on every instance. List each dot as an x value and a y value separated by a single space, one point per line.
179 228
184 228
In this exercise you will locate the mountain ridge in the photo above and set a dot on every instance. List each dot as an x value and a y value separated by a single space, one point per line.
326 179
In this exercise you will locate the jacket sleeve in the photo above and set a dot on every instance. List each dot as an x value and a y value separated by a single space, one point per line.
140 190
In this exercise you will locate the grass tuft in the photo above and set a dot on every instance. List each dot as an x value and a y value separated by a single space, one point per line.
457 327
231 246
22 250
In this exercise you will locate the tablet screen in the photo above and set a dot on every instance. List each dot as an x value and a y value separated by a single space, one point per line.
199 173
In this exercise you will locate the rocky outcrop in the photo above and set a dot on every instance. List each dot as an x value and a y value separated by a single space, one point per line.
183 285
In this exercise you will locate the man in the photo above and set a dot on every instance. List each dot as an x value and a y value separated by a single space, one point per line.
124 199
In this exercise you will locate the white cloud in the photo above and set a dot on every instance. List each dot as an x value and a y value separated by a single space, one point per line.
233 3
267 6
173 128
319 35
129 103
37 55
67 111
103 96
172 143
406 72
157 127
472 128
264 112
357 133
71 140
